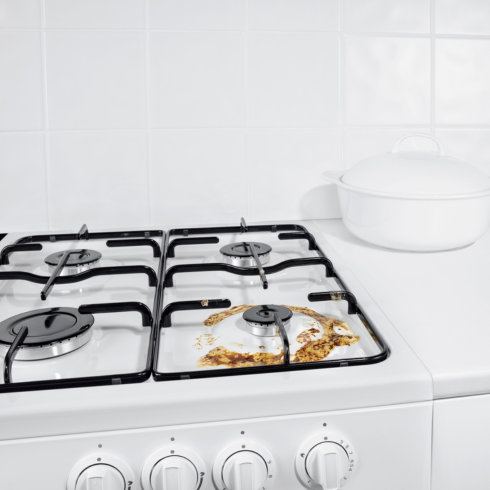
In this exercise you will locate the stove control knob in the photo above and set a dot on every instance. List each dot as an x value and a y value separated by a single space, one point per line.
174 473
245 470
328 465
325 461
100 477
244 466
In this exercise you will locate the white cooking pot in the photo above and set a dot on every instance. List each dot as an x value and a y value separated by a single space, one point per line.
415 201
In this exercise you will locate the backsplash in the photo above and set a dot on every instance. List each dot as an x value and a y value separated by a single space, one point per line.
149 112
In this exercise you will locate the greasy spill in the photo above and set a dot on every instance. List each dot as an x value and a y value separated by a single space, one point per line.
206 339
307 335
335 333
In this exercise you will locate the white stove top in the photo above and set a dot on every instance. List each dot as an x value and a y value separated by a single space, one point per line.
118 342
189 340
399 379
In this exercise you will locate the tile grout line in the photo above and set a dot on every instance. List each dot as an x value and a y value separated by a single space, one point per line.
147 104
432 90
341 83
247 106
45 106
421 35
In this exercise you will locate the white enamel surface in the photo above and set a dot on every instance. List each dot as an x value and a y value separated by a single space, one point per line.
118 343
460 422
433 282
399 379
385 439
405 171
95 80
180 348
415 225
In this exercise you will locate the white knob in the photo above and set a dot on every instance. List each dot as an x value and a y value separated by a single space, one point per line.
100 477
327 464
174 473
245 470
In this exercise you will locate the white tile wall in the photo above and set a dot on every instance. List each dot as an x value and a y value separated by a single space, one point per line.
136 112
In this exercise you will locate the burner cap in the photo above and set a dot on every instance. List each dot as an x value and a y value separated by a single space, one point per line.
81 258
46 326
264 314
242 250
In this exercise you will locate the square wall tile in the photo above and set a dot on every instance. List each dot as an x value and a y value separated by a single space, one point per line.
387 81
21 81
99 178
293 15
225 15
96 80
20 14
457 17
462 81
293 159
95 14
293 79
198 176
23 201
197 79
361 143
387 16
472 145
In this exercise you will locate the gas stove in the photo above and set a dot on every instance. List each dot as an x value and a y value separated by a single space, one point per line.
180 360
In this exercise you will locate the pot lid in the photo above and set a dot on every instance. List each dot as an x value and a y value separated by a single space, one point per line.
417 172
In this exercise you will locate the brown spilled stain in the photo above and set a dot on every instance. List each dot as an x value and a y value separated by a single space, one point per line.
261 347
307 335
335 333
215 318
236 344
205 339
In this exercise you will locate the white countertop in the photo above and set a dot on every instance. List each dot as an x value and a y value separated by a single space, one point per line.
437 301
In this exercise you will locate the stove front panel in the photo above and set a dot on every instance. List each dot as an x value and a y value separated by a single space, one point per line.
389 448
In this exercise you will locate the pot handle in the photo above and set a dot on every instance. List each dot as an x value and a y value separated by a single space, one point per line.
332 176
398 144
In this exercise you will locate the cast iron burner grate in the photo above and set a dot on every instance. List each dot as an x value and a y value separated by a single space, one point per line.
80 261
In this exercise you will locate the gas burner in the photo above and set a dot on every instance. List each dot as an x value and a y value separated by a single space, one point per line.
239 254
78 262
260 319
52 332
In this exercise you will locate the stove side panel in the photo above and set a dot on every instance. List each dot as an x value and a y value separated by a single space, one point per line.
461 448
